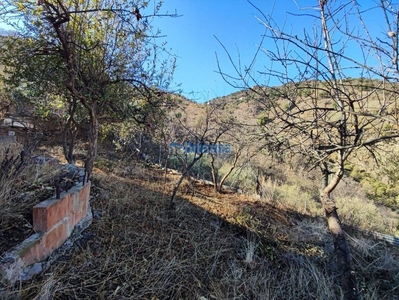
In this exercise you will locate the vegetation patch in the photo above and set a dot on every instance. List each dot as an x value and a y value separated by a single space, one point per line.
224 247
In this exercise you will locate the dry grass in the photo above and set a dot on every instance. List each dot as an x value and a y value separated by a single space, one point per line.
210 247
19 192
299 192
21 187
362 214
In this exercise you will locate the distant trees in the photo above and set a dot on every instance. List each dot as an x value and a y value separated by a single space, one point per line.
98 56
210 144
241 138
319 112
202 132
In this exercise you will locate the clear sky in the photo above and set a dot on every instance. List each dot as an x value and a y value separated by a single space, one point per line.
192 37
233 22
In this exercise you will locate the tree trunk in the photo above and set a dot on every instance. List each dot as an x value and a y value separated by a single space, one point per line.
214 174
341 247
236 156
184 174
172 199
68 143
342 251
70 132
93 140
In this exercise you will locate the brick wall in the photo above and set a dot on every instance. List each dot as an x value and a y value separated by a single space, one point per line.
53 220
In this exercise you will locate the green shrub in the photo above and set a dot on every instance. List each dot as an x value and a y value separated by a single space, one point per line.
380 189
263 119
174 163
202 169
306 92
356 174
270 190
295 197
361 213
324 95
242 178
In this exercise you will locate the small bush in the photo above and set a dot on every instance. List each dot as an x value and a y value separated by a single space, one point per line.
356 174
361 213
242 178
270 190
306 92
295 197
263 119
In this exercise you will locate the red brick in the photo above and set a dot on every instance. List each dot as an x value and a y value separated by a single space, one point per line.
31 252
55 219
73 219
80 205
84 193
80 213
56 237
74 208
49 212
42 246
83 203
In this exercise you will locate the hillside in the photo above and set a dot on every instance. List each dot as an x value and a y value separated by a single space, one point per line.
371 166
212 246
274 245
285 189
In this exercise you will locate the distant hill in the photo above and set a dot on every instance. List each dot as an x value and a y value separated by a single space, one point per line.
6 32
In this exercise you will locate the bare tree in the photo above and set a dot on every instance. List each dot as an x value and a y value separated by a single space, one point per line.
319 112
218 185
241 138
198 139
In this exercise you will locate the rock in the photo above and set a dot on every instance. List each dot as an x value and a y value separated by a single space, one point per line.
45 160
32 270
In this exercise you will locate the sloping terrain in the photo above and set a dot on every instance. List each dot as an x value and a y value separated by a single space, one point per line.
210 246
214 246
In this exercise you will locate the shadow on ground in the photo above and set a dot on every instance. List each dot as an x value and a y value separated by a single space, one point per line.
225 247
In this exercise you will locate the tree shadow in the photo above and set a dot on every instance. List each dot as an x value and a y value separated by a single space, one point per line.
209 247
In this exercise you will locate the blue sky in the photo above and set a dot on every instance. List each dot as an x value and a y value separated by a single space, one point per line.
191 38
233 22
